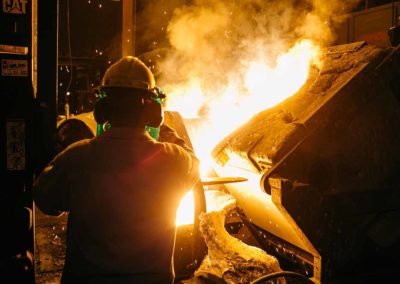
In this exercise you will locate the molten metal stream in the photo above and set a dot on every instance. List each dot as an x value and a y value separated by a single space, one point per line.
259 87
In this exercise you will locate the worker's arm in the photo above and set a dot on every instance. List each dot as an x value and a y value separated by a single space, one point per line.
50 189
192 177
168 134
184 154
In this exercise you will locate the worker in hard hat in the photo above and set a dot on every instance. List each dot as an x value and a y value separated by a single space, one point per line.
121 188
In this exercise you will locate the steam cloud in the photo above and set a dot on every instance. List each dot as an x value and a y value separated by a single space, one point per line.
212 44
211 39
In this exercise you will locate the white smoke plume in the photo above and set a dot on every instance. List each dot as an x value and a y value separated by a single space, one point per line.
210 40
213 46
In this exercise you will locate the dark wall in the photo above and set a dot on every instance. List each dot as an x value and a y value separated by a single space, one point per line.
16 144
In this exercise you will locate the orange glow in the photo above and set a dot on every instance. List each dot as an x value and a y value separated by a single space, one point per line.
258 86
216 201
185 212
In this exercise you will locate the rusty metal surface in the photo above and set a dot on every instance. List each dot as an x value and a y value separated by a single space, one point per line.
284 125
328 159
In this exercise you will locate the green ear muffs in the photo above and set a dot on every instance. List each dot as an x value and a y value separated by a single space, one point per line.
102 111
152 113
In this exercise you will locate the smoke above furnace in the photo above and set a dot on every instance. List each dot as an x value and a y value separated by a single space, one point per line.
211 41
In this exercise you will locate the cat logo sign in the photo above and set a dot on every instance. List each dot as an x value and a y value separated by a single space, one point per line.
14 6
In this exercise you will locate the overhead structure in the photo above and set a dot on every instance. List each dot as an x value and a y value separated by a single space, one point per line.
128 27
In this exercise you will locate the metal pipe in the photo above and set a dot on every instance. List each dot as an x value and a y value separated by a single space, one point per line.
128 27
394 22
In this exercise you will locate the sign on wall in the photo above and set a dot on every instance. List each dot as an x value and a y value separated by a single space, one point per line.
14 67
15 145
15 6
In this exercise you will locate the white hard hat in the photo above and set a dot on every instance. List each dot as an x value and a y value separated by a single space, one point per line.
129 72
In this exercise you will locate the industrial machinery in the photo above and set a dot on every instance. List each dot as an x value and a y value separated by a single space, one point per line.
322 190
323 193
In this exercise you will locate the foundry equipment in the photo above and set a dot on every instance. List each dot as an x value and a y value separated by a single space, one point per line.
323 193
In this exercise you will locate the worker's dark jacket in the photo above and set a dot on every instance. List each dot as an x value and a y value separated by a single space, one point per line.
122 190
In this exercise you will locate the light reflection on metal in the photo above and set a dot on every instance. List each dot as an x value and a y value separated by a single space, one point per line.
128 27
221 180
34 46
13 49
258 205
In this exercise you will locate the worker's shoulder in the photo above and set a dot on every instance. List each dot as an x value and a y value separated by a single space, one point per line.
174 149
79 145
76 149
169 147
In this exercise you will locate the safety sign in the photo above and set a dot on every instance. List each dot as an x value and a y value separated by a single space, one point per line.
14 67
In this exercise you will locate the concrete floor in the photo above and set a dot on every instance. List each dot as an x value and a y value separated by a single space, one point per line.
50 240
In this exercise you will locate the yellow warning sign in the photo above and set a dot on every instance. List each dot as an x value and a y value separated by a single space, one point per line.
15 6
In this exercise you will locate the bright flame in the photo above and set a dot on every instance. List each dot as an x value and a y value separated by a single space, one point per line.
283 80
191 100
185 212
216 201
258 86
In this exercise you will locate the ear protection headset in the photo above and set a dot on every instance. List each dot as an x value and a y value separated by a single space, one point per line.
150 107
129 77
101 111
152 110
